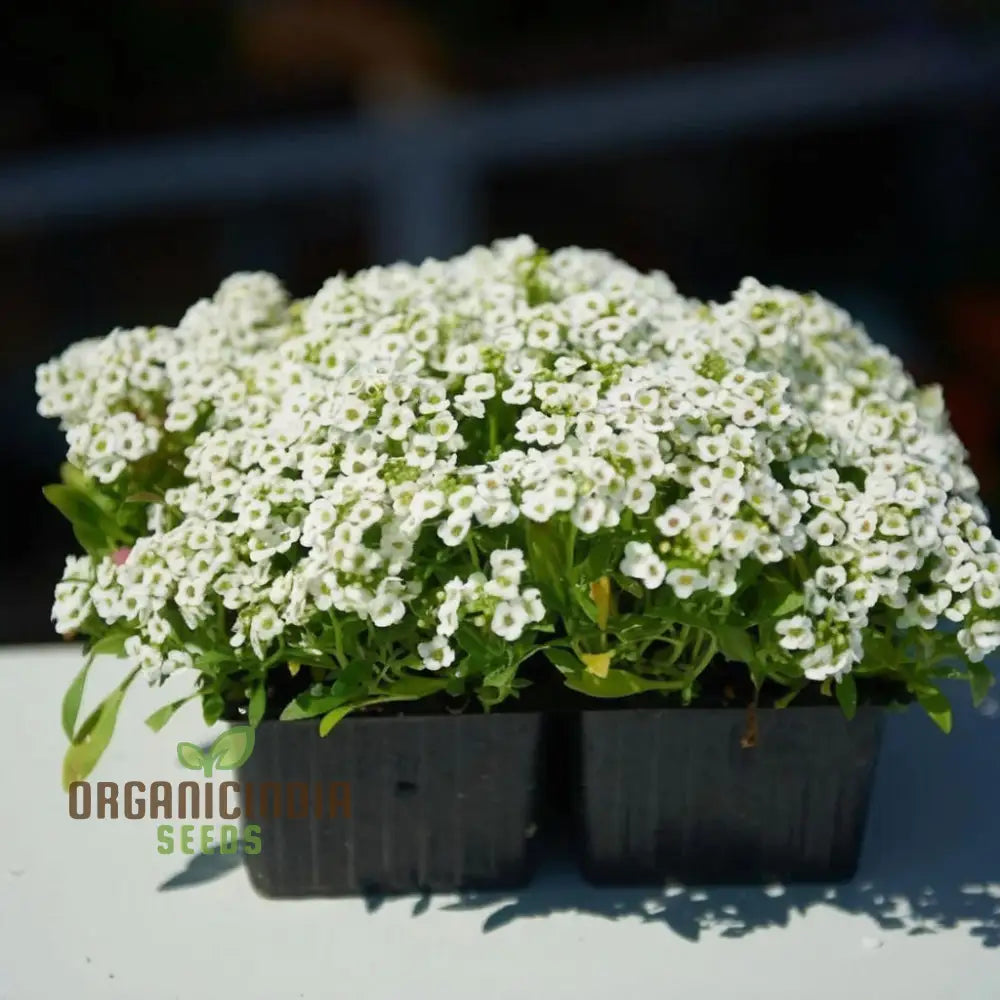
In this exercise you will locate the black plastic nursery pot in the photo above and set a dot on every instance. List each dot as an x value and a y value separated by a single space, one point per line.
672 794
392 803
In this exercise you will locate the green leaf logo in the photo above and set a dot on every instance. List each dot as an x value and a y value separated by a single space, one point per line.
230 749
233 747
190 756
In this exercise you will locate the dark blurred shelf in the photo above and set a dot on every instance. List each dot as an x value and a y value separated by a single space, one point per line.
415 161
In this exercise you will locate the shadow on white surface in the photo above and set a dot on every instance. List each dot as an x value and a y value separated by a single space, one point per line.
931 859
203 868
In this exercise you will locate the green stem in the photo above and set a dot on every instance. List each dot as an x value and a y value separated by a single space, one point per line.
570 546
338 643
472 551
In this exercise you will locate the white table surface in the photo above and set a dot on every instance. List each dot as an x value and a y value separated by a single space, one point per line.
89 909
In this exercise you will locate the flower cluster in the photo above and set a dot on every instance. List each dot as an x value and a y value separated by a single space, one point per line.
440 469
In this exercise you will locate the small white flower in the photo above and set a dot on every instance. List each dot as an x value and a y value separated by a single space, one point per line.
641 563
455 529
435 653
673 521
684 582
796 633
508 561
509 620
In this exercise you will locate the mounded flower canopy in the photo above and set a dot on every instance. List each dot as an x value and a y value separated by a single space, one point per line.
422 475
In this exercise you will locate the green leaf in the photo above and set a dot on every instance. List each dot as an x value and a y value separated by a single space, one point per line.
547 559
257 706
333 717
190 756
981 680
847 694
775 598
208 661
307 706
617 684
111 644
308 657
73 504
563 660
94 529
232 748
353 682
404 689
585 603
77 480
144 496
600 556
680 613
212 707
786 699
734 643
72 699
791 602
637 628
94 735
163 715
936 705
472 640
92 540
500 681
410 687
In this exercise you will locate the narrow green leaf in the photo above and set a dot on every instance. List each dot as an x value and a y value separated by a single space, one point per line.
786 699
333 717
410 687
473 641
981 680
72 699
565 661
93 527
112 644
337 714
212 707
258 703
586 603
847 694
307 706
937 706
600 556
73 504
547 559
679 613
208 661
617 684
94 735
638 628
92 540
163 715
144 496
308 658
791 602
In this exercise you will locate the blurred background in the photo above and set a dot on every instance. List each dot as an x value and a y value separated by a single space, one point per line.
150 147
